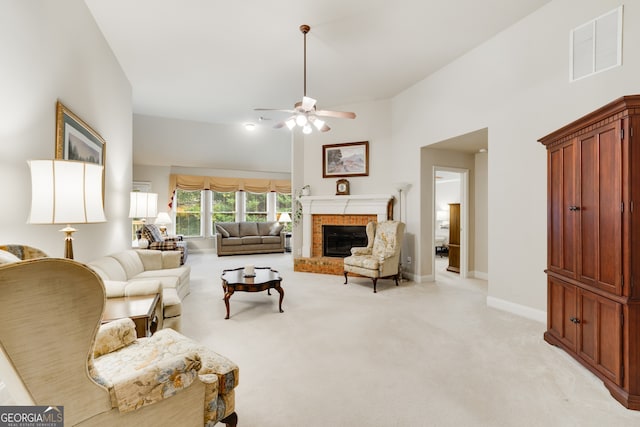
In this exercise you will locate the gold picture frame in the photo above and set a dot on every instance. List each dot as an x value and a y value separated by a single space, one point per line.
76 140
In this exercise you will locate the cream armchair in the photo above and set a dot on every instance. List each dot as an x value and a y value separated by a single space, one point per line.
381 257
56 353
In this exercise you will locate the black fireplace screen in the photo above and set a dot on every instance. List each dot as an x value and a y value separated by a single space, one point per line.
337 240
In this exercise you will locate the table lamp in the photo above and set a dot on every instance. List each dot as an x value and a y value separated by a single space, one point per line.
143 206
285 219
66 192
162 220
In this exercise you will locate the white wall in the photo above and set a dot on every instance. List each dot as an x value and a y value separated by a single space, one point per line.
516 85
172 142
371 124
54 51
481 220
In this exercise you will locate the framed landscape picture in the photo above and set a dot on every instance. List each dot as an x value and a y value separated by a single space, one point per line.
75 140
342 160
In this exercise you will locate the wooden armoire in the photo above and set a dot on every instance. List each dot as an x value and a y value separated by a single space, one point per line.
454 237
593 241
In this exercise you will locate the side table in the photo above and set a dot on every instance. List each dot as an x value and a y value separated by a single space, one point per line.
144 310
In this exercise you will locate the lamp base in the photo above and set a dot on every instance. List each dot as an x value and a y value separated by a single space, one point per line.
68 241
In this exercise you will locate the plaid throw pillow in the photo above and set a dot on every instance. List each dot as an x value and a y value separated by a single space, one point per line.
151 232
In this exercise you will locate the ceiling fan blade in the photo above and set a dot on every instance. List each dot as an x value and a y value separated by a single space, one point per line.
278 125
308 103
325 128
274 109
337 114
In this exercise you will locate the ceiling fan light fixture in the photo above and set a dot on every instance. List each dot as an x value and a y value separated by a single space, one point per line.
306 129
291 123
301 120
318 123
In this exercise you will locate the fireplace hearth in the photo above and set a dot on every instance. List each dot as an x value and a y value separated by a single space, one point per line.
337 240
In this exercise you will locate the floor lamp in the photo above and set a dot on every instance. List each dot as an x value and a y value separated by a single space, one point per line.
66 192
401 187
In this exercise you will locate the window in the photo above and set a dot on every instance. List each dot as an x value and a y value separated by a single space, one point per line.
255 207
192 206
597 45
283 204
188 213
224 207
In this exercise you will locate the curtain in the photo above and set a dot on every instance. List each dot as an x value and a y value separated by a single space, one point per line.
226 185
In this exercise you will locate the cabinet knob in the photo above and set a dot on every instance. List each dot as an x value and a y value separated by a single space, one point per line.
574 208
574 320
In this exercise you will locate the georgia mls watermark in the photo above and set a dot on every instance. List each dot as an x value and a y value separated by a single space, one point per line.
31 416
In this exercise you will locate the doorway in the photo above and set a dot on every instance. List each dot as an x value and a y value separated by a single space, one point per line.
450 225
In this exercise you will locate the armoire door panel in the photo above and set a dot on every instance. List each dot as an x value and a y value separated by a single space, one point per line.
600 334
610 204
588 335
588 224
562 219
562 309
600 224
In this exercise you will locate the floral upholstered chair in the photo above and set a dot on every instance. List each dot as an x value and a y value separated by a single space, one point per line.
157 241
381 257
58 353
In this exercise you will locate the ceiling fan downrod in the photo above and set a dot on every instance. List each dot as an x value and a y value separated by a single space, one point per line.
305 29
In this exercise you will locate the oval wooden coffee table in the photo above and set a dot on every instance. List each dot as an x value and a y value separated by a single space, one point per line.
264 279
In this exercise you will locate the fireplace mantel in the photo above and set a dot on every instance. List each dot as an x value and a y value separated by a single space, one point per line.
361 204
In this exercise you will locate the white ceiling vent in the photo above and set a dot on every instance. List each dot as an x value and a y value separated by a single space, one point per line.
596 45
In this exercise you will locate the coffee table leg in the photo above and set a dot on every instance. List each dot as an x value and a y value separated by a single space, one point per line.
227 295
279 289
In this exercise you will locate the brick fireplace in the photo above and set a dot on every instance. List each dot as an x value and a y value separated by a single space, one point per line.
335 210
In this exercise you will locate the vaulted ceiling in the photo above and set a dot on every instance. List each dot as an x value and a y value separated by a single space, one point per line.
215 61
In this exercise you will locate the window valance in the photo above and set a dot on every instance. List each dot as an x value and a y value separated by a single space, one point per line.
225 185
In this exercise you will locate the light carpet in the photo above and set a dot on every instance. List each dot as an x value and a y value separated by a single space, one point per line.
421 354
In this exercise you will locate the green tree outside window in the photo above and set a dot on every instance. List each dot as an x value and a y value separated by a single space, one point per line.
188 212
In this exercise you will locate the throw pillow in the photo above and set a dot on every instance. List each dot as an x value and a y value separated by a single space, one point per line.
222 231
7 257
275 229
152 233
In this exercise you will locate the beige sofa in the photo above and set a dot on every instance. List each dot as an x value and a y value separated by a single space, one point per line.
234 238
139 272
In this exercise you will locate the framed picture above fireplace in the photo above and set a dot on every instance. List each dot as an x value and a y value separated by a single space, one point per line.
343 160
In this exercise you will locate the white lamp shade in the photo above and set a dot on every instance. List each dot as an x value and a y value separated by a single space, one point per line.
442 215
285 217
163 219
143 205
65 192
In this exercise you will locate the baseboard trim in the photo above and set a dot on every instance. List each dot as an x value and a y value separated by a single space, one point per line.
418 279
203 250
479 275
517 309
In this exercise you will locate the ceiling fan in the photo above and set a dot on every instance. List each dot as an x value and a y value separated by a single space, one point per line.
304 113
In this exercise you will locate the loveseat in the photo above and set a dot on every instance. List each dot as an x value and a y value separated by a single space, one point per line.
234 238
135 272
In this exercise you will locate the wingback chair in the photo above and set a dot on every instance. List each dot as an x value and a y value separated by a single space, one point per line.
381 257
23 251
59 354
